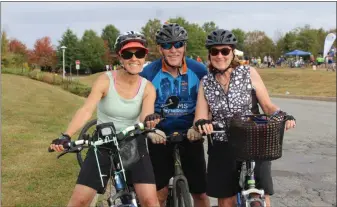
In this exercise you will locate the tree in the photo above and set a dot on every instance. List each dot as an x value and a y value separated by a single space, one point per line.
257 43
209 27
240 37
44 54
92 51
149 31
19 52
108 58
110 34
4 49
72 53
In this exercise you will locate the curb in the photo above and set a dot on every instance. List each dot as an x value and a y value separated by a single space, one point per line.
315 98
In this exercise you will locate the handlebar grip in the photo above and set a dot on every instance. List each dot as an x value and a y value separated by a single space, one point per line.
50 150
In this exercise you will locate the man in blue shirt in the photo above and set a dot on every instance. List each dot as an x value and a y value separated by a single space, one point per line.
175 74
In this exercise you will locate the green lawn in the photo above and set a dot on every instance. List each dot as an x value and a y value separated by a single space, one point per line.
33 114
299 82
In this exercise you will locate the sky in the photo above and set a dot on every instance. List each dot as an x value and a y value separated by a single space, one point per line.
29 21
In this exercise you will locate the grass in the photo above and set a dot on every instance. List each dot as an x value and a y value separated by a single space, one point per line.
298 82
33 114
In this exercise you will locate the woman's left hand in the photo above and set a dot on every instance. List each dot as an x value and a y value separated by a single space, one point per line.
290 124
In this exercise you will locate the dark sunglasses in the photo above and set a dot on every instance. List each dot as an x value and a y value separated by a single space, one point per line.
167 46
128 55
224 51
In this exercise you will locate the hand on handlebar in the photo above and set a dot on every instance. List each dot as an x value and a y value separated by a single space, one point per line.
152 120
157 137
193 134
204 126
281 115
60 143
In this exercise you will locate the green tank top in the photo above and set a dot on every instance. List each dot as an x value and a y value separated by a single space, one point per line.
122 112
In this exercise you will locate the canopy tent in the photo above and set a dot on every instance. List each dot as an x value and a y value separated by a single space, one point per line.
238 52
298 53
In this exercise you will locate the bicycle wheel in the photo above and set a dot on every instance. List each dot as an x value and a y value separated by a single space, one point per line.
85 133
183 195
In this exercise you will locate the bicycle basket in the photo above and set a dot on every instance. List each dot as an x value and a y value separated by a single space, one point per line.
251 140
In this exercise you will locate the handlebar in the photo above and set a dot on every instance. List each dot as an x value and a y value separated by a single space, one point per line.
108 135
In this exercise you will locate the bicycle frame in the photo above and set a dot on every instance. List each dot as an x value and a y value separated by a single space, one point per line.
178 176
249 194
117 175
123 191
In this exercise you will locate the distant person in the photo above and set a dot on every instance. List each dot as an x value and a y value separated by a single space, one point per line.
259 62
269 61
265 60
199 59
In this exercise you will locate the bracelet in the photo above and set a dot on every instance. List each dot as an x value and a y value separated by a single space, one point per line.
276 112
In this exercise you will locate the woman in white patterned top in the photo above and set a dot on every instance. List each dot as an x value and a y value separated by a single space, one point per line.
230 88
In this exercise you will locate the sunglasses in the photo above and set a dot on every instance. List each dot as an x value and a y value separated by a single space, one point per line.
167 46
224 51
128 55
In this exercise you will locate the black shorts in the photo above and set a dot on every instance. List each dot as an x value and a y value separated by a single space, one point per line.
140 172
192 161
223 173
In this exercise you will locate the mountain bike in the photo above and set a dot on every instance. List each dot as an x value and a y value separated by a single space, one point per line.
252 138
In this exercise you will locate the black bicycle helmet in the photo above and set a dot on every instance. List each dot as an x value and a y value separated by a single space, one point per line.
127 37
220 37
171 33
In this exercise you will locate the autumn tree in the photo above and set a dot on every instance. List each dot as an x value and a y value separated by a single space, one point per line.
44 54
19 52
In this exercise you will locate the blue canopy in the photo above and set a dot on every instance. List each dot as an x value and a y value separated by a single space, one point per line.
298 53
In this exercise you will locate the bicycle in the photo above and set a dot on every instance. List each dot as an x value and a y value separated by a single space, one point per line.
87 133
178 191
257 137
125 194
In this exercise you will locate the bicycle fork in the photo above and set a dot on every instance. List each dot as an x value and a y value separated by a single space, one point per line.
250 196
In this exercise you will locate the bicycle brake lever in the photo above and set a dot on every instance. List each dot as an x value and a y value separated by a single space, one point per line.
63 153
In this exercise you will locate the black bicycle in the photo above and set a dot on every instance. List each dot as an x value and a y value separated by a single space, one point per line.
253 138
178 191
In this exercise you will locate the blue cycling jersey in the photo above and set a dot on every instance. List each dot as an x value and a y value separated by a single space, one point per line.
185 86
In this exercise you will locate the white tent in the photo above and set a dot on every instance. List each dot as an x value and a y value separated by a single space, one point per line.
238 52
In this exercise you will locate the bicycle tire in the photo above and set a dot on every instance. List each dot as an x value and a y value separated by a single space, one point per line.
183 195
83 135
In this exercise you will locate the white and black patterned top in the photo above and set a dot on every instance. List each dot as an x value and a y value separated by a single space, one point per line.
237 99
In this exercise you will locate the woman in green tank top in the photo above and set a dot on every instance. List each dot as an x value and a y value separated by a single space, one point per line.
124 98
